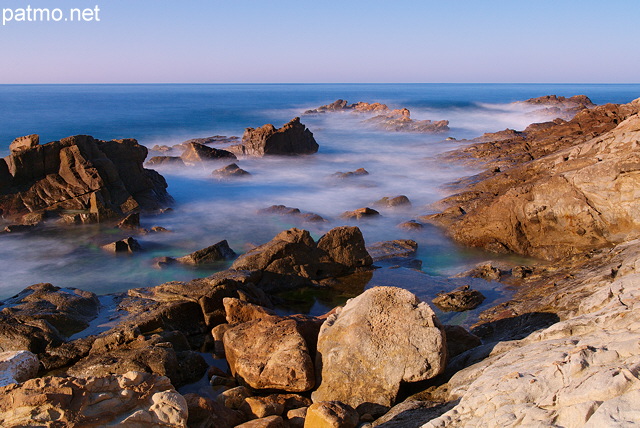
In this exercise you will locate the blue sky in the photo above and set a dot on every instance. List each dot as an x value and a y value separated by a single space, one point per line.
202 41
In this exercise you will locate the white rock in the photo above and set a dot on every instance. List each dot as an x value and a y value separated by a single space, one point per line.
17 366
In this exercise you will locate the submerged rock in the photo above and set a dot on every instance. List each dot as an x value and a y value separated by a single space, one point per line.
358 172
293 212
85 179
292 139
459 300
360 213
393 201
231 170
126 245
378 340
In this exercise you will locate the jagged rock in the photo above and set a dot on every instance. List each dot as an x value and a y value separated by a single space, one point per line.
360 213
131 221
377 340
66 310
239 312
161 148
398 248
395 201
32 335
331 414
459 300
234 398
232 170
127 245
270 353
24 143
17 366
98 179
165 161
216 252
292 257
195 152
574 196
296 417
131 399
292 139
358 172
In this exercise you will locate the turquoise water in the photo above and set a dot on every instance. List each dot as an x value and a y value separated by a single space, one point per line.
208 211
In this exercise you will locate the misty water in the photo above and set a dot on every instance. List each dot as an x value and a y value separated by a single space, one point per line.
208 210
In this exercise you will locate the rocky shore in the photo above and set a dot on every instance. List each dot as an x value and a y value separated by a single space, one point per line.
564 351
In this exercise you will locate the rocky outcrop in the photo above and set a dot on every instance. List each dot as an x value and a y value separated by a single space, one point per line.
360 214
292 258
577 194
230 171
460 299
349 174
96 180
195 153
132 399
160 161
126 245
393 201
554 106
17 366
214 253
292 139
292 212
378 340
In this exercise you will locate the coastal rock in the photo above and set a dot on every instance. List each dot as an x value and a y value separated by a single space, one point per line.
234 398
206 413
378 340
127 245
195 153
360 213
239 312
459 340
131 221
24 143
261 407
99 180
32 335
399 248
293 212
270 353
292 139
292 258
268 422
165 161
459 300
231 170
393 201
66 310
216 252
411 225
357 173
331 414
17 366
132 399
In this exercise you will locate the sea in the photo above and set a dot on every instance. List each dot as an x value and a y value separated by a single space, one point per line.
208 210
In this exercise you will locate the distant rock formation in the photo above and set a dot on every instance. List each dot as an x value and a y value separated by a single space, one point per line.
79 178
398 120
292 139
554 106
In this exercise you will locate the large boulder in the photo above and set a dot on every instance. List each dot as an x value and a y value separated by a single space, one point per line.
270 353
95 179
378 340
292 139
292 258
132 399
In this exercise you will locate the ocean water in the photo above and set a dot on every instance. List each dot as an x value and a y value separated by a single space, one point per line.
208 210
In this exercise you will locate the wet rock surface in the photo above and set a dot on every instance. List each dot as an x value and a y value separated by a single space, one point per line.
214 253
460 299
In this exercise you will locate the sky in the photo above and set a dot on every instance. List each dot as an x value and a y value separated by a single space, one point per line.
347 41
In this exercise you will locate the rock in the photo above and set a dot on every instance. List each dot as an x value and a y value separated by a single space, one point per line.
521 271
398 248
216 252
127 245
292 258
234 398
131 221
565 190
239 312
261 407
292 139
268 422
66 310
218 338
485 271
294 212
459 300
194 153
296 417
411 225
231 170
459 340
380 339
270 353
331 414
161 148
396 201
358 172
360 213
159 229
205 413
132 399
17 367
99 180
24 143
165 161
32 335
